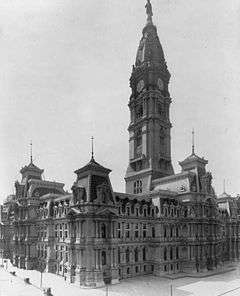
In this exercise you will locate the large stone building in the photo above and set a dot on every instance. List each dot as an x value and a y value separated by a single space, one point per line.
164 223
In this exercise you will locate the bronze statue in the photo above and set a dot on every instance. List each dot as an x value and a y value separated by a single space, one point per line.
148 7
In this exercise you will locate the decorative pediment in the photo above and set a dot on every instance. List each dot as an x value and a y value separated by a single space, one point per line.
107 212
73 212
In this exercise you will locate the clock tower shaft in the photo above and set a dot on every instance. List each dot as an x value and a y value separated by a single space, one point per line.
149 104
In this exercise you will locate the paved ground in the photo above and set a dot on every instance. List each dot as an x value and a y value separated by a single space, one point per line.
141 286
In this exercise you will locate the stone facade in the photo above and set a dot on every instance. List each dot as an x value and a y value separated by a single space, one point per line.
165 223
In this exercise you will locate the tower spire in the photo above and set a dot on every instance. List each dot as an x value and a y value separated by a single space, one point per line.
193 142
92 147
149 12
31 157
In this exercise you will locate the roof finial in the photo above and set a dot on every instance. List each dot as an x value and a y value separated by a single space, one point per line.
31 157
193 142
224 186
92 147
149 12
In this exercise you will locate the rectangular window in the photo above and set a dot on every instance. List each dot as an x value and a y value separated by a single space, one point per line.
144 230
61 253
66 231
66 253
45 231
119 230
136 231
56 230
127 230
60 232
56 252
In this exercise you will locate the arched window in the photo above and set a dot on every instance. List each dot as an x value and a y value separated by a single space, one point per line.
104 197
165 232
138 138
153 231
145 212
103 230
144 254
177 253
171 231
136 255
165 254
144 230
171 253
177 232
104 258
136 231
127 255
152 212
119 256
127 230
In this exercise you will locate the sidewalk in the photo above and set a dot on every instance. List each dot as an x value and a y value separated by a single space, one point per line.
139 286
57 284
220 270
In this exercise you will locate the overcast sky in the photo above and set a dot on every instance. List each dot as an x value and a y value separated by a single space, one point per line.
64 76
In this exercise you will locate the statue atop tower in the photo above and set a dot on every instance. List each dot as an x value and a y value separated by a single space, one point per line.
149 12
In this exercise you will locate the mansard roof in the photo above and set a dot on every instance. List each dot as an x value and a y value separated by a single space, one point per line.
31 167
224 195
93 166
193 158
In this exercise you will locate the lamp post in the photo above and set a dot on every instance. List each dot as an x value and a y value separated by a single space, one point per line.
2 256
171 287
41 267
107 282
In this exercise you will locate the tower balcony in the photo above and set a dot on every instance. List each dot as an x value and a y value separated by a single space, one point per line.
137 158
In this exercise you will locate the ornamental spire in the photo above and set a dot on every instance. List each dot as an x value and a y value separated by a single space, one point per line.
149 12
193 142
31 157
92 148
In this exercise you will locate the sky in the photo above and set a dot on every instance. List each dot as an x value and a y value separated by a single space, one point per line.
64 77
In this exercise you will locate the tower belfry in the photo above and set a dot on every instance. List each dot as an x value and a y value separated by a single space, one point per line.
149 128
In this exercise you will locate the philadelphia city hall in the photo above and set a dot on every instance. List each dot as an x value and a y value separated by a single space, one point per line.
165 223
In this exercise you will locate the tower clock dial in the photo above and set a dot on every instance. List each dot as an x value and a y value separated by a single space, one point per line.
160 84
140 85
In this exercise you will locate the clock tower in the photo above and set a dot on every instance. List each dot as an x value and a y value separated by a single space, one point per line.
149 128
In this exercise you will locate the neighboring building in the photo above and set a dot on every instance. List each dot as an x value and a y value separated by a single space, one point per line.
164 223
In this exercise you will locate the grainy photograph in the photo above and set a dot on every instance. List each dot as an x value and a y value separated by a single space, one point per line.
119 147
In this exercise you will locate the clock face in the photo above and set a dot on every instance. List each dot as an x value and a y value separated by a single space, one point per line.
140 85
160 84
